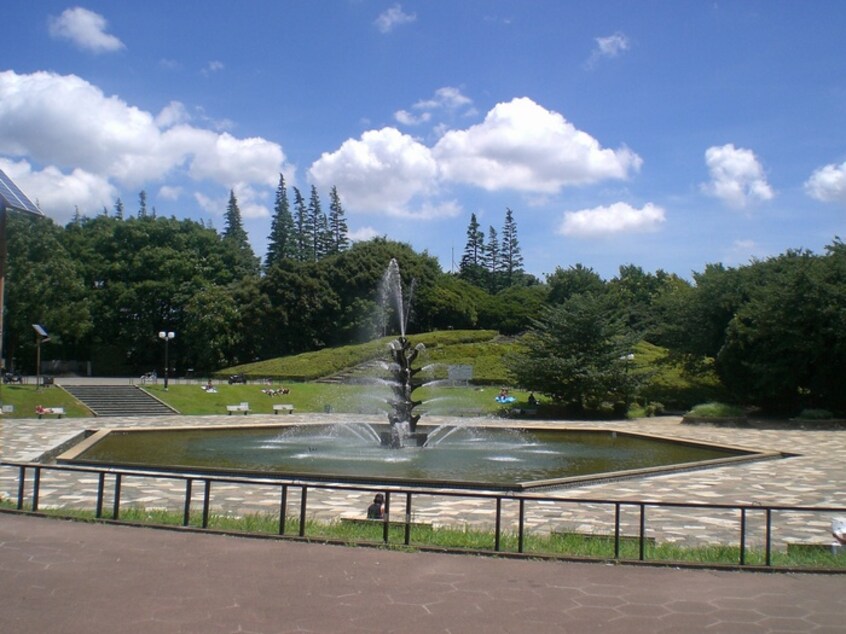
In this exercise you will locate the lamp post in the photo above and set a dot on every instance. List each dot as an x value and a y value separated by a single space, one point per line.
41 336
166 337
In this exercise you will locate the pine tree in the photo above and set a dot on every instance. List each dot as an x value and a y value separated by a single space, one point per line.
313 225
492 260
236 236
472 262
337 223
142 204
118 209
324 237
510 257
300 221
281 244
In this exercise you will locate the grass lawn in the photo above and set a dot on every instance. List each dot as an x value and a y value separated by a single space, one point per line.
25 398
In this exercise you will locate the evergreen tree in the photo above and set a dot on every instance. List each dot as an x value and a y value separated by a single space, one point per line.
142 204
313 226
235 235
300 222
324 237
281 244
510 257
492 260
119 209
337 223
472 262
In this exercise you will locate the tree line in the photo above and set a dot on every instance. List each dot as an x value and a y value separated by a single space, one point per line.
104 286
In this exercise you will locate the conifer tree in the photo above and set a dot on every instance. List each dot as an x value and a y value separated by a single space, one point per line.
282 243
236 236
510 256
492 260
118 209
313 226
337 223
142 204
300 214
472 262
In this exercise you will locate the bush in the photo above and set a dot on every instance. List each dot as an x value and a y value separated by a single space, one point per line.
815 414
716 409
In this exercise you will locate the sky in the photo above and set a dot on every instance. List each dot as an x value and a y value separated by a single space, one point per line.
668 135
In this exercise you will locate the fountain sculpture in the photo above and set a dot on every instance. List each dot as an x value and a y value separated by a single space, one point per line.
403 420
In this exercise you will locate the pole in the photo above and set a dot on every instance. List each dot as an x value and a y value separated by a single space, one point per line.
167 364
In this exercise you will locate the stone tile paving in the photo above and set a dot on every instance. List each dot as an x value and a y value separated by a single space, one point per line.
816 476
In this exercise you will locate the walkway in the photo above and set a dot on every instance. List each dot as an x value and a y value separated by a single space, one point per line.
67 578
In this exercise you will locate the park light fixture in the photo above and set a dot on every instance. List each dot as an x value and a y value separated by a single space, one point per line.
166 337
41 336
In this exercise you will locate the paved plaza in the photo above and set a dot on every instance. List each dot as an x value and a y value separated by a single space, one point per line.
69 577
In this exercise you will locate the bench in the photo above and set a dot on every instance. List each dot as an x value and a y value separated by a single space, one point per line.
243 407
284 408
48 411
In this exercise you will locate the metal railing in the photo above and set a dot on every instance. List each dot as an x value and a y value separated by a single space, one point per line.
396 495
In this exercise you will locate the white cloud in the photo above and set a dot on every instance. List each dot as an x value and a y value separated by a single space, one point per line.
445 97
409 118
616 218
169 192
521 145
393 17
84 28
66 122
213 66
737 177
380 172
363 234
607 48
828 183
58 194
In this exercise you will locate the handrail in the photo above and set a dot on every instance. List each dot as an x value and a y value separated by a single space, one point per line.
392 494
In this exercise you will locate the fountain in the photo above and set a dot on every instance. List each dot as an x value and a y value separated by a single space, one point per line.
403 420
447 455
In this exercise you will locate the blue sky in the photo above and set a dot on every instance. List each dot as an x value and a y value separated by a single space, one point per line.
663 134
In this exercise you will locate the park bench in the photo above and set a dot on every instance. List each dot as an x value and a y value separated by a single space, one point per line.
243 407
283 407
48 411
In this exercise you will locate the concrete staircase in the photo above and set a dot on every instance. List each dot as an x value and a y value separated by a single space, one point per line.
118 400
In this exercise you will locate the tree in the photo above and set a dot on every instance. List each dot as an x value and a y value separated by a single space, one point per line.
118 209
142 204
300 224
235 237
472 262
576 280
282 239
314 226
510 257
492 260
577 354
337 223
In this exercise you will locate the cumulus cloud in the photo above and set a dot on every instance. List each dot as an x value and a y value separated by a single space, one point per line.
363 234
828 183
60 194
523 146
409 118
380 172
737 177
392 18
616 218
445 100
85 29
607 47
66 122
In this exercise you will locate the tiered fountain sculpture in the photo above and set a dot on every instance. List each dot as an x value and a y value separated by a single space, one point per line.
402 418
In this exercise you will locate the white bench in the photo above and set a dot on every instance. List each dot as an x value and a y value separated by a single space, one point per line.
48 411
243 407
284 408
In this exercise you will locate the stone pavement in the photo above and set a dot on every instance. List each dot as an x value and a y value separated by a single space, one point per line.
73 578
814 477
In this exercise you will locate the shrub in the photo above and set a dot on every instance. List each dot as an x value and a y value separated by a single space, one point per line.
716 409
815 414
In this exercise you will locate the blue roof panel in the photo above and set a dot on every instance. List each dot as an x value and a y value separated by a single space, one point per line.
12 198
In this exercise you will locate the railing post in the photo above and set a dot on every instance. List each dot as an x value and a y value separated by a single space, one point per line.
116 504
303 497
283 508
521 524
408 518
386 525
186 509
616 530
206 495
769 537
21 486
36 488
743 536
642 553
101 484
498 528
